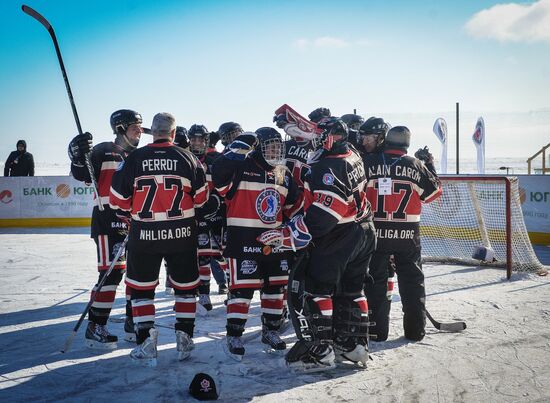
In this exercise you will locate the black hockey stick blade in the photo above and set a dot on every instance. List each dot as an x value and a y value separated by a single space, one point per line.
38 17
453 327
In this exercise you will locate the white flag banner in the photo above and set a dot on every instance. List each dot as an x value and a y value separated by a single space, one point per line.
440 130
479 140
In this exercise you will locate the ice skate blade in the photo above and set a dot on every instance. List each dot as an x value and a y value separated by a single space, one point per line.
301 367
146 362
235 357
201 311
271 351
130 337
100 346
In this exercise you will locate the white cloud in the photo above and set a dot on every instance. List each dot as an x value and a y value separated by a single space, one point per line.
328 42
512 22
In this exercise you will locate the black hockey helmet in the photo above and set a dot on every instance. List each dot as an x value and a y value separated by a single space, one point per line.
399 138
352 120
124 118
331 127
271 145
228 131
198 132
374 126
318 114
181 139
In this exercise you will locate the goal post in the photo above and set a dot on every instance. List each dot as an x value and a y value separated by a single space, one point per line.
478 220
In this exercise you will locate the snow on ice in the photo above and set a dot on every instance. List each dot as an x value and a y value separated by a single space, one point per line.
46 275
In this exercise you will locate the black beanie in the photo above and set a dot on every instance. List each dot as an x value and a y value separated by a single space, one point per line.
202 387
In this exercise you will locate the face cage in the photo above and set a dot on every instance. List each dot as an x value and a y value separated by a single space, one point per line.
277 157
228 137
199 150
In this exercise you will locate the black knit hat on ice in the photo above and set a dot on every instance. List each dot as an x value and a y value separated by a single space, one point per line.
202 387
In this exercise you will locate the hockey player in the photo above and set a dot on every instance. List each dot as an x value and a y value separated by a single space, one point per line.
338 217
107 230
371 135
398 184
211 216
228 132
160 186
258 189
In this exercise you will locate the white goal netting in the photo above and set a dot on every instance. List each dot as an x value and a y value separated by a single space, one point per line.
472 212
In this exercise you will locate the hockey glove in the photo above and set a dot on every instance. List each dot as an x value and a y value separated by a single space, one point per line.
79 147
280 120
241 147
424 154
292 236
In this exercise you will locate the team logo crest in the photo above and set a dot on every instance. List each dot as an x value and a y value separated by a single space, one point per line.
328 179
248 266
204 239
268 205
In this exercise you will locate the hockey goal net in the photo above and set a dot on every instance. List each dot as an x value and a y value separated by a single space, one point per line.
474 212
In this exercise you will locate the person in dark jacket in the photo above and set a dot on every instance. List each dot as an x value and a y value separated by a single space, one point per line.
20 162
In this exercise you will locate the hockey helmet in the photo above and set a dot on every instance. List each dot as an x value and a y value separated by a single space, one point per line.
124 118
271 146
352 120
228 131
198 139
334 131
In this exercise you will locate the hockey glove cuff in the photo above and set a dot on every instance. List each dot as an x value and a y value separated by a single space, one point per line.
293 236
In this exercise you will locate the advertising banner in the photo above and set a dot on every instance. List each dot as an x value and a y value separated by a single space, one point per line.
44 197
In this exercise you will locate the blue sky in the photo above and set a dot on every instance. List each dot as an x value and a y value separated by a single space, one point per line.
213 61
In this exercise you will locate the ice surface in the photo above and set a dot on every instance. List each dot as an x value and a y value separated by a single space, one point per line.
46 275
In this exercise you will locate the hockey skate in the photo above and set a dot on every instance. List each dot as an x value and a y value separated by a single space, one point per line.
97 336
310 358
184 345
234 347
222 289
204 302
146 352
358 354
129 333
273 342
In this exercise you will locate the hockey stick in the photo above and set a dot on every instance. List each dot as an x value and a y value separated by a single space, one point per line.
69 340
454 327
38 17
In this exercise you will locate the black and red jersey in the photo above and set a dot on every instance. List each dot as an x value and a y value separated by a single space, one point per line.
335 192
256 200
105 159
397 215
160 185
296 156
214 208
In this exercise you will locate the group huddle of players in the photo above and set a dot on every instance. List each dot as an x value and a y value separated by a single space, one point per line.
338 196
